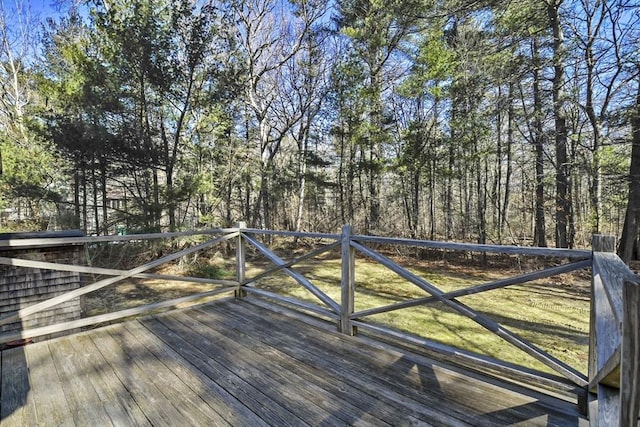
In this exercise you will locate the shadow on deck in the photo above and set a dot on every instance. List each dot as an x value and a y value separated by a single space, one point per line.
233 362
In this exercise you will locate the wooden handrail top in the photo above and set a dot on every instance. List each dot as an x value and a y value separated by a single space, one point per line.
38 242
503 249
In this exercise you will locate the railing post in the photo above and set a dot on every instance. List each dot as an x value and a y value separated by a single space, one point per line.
347 282
603 243
240 261
599 243
630 354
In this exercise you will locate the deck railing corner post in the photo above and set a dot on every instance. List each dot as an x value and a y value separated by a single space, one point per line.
599 243
630 354
347 282
603 243
240 261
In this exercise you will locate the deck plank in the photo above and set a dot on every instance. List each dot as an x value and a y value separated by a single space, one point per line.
235 391
48 395
137 380
351 386
474 392
219 411
113 395
83 401
16 404
235 363
308 402
430 385
187 401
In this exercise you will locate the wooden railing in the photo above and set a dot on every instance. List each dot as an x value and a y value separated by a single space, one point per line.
614 371
115 277
614 359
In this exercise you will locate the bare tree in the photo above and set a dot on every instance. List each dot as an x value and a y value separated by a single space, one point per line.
271 35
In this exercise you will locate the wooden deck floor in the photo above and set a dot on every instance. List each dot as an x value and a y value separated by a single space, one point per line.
235 363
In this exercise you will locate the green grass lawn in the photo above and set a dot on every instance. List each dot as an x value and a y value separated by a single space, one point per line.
552 313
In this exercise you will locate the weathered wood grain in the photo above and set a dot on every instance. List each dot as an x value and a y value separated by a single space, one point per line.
16 403
84 403
394 377
241 267
304 399
609 269
603 243
240 395
348 282
467 247
164 369
236 363
50 402
116 399
359 389
137 377
608 407
630 356
310 366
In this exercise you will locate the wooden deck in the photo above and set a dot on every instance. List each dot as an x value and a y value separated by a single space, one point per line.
236 363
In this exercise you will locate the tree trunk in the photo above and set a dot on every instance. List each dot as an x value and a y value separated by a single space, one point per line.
539 233
94 188
103 188
563 200
302 181
496 192
76 195
375 130
84 196
509 154
629 239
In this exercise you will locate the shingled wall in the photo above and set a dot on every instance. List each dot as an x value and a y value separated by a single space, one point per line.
21 287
